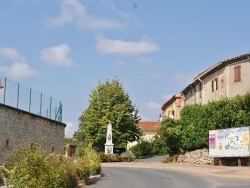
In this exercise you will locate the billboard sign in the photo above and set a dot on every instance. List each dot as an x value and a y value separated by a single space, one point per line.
233 142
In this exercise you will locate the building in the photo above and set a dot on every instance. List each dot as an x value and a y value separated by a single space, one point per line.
226 79
149 130
172 108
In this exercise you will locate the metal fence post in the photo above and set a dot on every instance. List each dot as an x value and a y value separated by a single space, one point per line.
18 85
50 107
30 100
55 113
41 98
5 86
60 119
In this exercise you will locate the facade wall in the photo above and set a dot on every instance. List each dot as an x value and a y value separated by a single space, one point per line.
173 109
242 87
190 97
203 92
168 112
20 129
148 136
213 86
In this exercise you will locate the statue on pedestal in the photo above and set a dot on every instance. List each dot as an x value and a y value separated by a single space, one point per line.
109 146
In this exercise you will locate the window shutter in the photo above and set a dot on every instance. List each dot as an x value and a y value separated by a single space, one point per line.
212 82
237 73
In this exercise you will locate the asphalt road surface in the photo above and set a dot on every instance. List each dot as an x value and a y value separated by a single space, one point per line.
120 177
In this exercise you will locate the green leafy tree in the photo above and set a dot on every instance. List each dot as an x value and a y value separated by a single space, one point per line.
109 103
159 147
170 134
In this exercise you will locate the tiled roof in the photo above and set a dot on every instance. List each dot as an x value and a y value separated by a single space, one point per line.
149 125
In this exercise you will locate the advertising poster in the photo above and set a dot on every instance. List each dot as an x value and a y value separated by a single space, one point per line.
233 142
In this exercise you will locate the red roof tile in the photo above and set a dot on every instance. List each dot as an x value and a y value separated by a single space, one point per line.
149 125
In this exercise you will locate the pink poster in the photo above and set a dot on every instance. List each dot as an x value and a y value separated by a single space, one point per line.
212 141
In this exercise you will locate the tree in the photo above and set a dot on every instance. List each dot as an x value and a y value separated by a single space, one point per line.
170 133
109 103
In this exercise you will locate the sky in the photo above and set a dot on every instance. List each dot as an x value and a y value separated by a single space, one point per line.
63 48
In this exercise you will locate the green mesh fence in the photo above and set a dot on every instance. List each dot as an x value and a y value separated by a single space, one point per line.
17 96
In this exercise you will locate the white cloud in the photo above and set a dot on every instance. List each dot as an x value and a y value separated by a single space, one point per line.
58 56
11 54
70 129
19 71
72 11
108 46
19 68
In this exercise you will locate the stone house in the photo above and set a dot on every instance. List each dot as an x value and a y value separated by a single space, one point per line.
226 79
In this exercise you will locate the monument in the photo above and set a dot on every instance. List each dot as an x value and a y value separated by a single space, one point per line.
109 146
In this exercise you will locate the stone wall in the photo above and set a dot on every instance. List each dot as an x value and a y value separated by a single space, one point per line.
200 156
20 129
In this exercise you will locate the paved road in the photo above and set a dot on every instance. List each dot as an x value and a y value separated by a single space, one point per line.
117 177
151 173
120 177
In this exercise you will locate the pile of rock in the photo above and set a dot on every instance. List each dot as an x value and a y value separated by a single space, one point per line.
200 156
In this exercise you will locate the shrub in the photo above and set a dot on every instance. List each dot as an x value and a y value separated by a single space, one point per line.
127 156
109 157
87 162
63 171
31 168
142 150
170 133
159 147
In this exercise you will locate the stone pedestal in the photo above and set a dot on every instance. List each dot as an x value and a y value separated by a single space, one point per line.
109 146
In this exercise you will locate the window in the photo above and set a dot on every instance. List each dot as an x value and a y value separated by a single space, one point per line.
212 82
237 73
216 83
173 113
200 89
